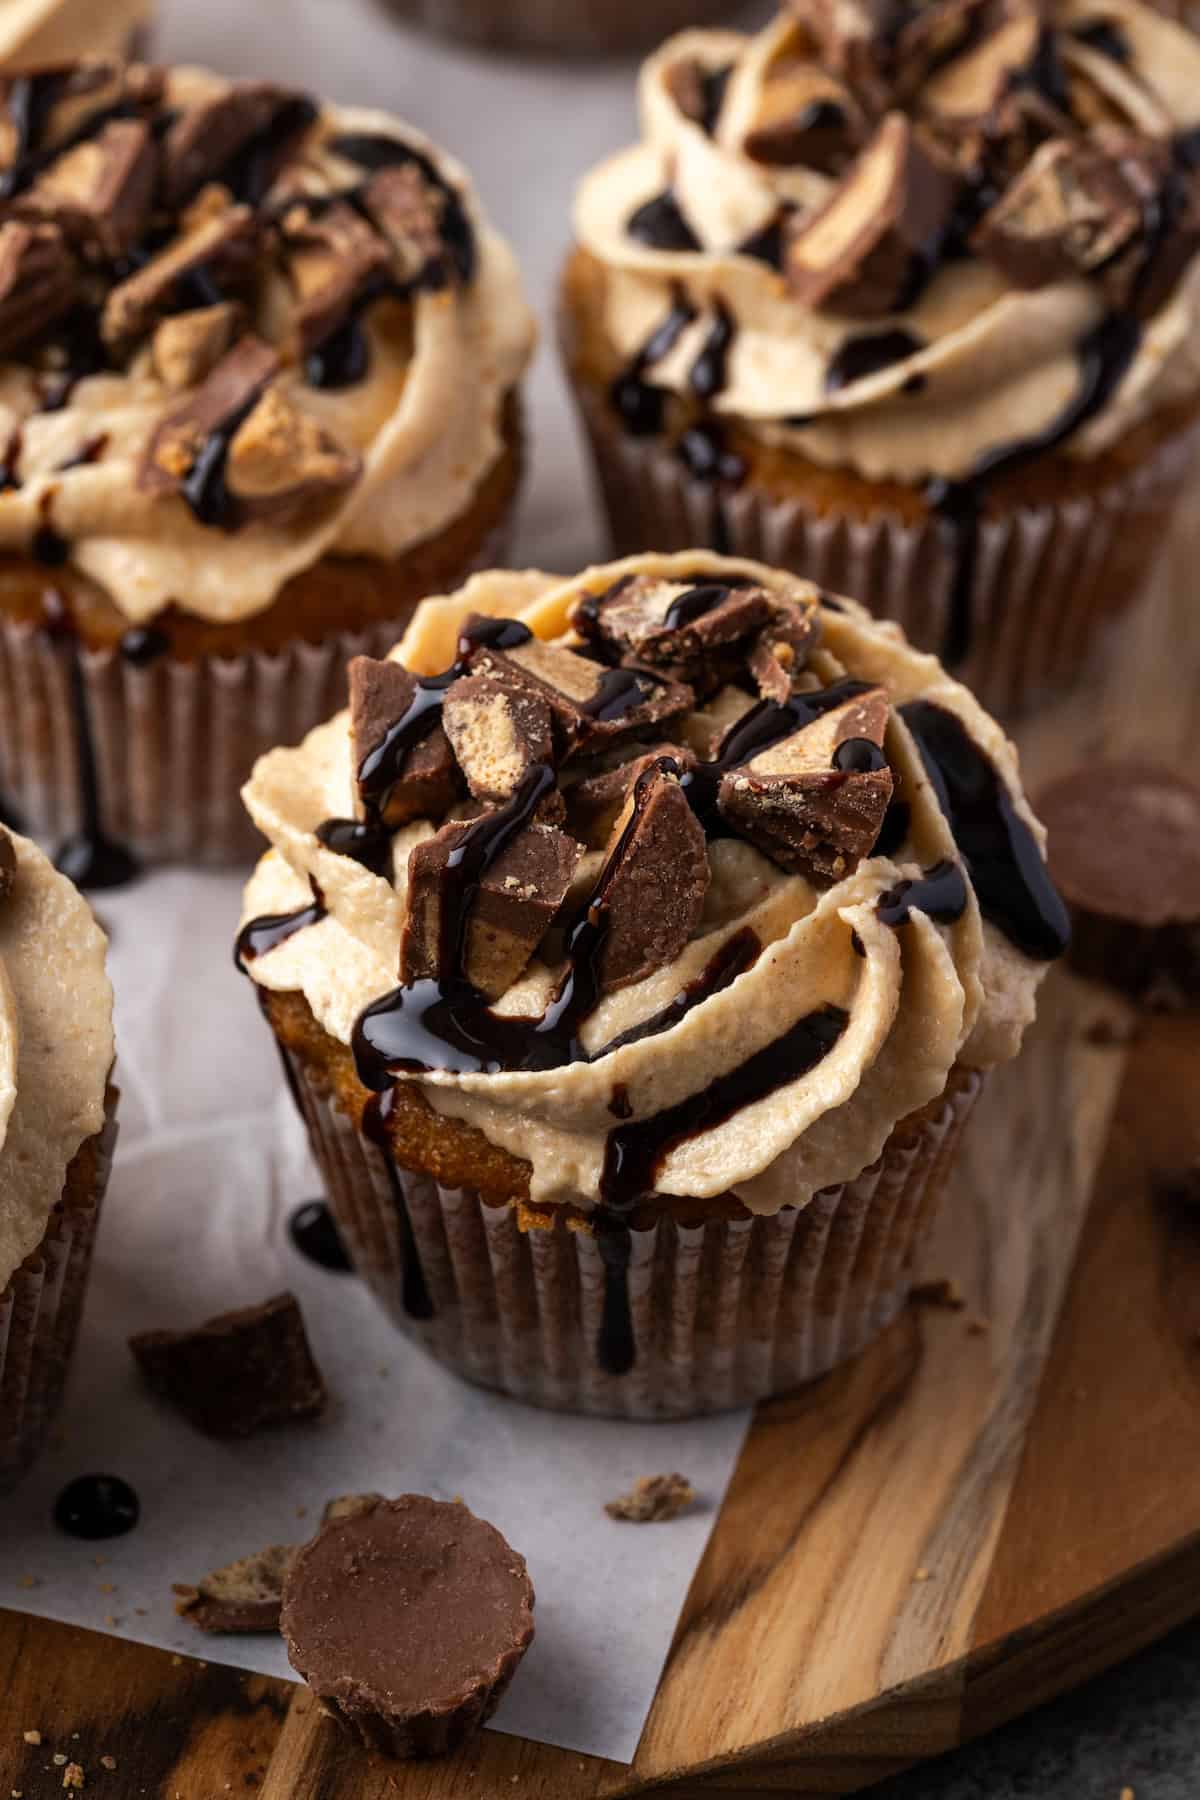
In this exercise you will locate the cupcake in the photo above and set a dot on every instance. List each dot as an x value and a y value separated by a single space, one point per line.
595 28
259 396
911 314
57 1129
709 901
39 34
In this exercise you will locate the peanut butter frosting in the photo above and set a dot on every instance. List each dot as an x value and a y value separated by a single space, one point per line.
38 33
56 1043
649 928
919 247
240 331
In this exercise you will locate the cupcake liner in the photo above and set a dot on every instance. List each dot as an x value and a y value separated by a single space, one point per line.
577 27
40 1310
427 1733
172 741
721 1313
1047 577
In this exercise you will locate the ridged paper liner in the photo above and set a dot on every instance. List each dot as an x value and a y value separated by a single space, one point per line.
577 27
1047 578
724 1313
427 1733
40 1310
174 741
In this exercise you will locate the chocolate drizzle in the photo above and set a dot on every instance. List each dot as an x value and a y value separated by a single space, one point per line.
414 1289
258 936
640 404
659 224
204 487
362 842
1107 36
737 954
616 1340
1001 854
708 374
865 355
859 756
314 1234
373 151
89 858
142 645
941 894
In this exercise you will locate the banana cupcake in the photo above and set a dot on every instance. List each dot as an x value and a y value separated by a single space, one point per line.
37 34
258 394
910 311
636 944
576 27
57 1130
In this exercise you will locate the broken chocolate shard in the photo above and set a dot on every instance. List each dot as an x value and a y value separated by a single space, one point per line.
283 462
672 624
188 451
101 191
8 864
39 280
243 1597
592 708
239 1373
498 731
655 879
1075 211
333 257
206 138
198 268
510 911
404 766
188 346
800 805
866 251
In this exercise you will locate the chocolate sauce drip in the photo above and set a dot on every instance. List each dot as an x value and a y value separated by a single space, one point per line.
713 85
204 487
999 850
89 452
862 356
249 173
640 404
859 756
708 374
737 954
89 858
9 479
365 843
375 151
634 1153
1107 36
620 1105
894 830
143 644
941 893
620 691
414 1289
382 767
258 936
314 1234
697 601
1104 358
704 453
765 724
28 103
767 245
49 547
94 1507
76 343
660 224
343 360
616 1341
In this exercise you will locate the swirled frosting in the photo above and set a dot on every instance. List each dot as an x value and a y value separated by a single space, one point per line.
748 141
902 980
38 33
240 331
56 1045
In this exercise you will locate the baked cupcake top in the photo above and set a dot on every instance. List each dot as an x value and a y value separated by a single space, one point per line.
241 331
697 880
36 33
921 245
56 1040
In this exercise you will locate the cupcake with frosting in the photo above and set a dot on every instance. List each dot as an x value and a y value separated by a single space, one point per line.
259 371
911 312
38 34
593 28
636 944
57 1129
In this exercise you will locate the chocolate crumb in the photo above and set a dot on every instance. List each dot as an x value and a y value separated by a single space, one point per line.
652 1499
238 1373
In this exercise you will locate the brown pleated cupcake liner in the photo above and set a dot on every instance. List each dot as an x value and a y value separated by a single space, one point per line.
575 27
721 1314
426 1733
40 1311
172 741
1047 580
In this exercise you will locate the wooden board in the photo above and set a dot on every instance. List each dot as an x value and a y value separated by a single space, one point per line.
991 1505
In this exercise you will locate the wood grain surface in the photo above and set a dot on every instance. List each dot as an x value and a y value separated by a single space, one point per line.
992 1504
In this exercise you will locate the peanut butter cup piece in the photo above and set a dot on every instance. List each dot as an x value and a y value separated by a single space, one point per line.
243 1597
595 803
397 780
239 1373
227 394
815 801
498 731
592 708
8 864
408 1620
283 462
221 243
1124 853
672 624
655 879
863 251
205 138
407 212
40 278
100 193
188 346
1075 211
332 257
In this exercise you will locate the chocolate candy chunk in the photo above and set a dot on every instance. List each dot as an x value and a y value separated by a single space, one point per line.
206 137
510 914
228 393
282 462
188 346
1075 211
244 1596
498 731
779 653
214 253
100 192
239 1373
672 623
46 112
39 280
805 118
862 253
401 774
654 881
332 255
407 211
592 708
815 801
595 804
408 1621
967 90
8 864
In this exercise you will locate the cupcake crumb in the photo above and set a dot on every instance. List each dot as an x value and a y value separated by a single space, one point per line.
32 1737
108 1762
73 1776
653 1498
944 1291
923 1574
